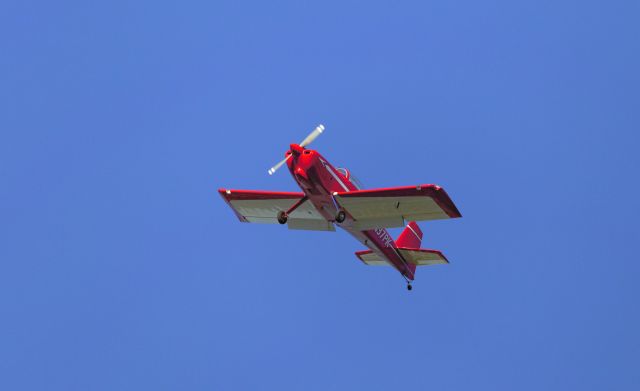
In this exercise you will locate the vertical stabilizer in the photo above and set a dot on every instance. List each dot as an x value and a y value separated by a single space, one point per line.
411 237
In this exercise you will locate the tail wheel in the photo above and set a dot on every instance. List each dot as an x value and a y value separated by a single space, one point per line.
282 217
341 216
409 287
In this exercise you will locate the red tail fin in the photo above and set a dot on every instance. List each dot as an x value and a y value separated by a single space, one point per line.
411 237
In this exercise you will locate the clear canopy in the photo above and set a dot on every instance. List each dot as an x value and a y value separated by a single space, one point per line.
351 178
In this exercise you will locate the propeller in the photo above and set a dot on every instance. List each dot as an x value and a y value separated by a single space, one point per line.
308 140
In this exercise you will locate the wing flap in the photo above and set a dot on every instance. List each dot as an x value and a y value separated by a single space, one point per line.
386 222
311 225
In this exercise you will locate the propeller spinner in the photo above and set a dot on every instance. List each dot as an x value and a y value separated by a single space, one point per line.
312 136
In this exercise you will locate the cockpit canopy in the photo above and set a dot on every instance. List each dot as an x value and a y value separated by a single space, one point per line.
350 178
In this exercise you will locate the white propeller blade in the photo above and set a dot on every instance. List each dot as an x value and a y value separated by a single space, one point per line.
274 168
312 136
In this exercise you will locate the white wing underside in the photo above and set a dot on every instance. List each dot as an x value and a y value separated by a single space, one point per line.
264 210
393 207
418 257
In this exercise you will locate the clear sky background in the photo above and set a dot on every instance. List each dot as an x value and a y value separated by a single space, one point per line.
121 268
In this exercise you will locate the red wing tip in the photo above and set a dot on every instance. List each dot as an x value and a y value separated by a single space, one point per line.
223 193
444 257
362 252
454 213
234 195
445 201
359 254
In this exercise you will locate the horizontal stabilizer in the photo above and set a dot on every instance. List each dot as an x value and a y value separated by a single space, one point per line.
422 256
415 256
368 257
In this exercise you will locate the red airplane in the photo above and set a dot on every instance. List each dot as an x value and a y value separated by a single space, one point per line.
332 196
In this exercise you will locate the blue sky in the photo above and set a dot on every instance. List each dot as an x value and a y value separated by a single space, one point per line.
122 269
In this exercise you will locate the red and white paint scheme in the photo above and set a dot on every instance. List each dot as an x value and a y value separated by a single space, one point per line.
332 196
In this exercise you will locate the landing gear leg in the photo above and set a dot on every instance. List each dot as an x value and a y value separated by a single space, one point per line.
283 216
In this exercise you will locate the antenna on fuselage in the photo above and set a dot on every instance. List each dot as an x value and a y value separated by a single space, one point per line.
312 136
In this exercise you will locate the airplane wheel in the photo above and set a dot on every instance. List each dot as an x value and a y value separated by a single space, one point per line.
341 216
282 217
409 287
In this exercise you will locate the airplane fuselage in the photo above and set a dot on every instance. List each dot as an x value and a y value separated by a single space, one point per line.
319 180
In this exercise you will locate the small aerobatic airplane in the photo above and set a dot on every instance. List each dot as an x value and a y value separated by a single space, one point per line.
333 196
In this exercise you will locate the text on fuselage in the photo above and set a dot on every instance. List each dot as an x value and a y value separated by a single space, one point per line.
384 236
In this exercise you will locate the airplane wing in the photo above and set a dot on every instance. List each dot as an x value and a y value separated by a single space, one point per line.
254 206
390 207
